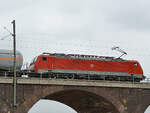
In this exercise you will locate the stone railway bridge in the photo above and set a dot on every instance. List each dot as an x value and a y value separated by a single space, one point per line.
82 95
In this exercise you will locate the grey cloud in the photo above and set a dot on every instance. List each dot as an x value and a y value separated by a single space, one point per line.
107 22
130 14
9 6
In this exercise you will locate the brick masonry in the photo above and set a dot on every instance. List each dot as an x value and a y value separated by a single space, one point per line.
83 96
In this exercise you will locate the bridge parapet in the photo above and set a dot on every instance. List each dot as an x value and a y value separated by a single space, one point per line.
73 82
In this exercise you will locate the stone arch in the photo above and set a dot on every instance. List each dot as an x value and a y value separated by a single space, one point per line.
40 92
51 106
108 95
147 109
83 101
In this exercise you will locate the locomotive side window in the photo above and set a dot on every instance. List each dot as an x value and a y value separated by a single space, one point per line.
44 59
135 64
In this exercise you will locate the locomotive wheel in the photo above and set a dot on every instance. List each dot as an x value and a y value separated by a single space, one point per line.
71 76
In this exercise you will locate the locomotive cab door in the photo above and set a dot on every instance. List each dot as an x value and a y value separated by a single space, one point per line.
47 63
132 70
43 64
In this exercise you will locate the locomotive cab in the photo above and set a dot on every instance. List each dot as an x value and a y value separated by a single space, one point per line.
40 64
32 64
137 71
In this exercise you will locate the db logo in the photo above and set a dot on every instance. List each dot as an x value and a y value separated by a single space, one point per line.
91 65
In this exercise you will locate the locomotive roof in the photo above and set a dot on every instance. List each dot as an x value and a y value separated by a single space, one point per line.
79 56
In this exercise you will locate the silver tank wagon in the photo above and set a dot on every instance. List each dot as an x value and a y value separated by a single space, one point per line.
6 60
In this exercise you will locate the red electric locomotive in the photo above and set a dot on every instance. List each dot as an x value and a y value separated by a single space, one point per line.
84 66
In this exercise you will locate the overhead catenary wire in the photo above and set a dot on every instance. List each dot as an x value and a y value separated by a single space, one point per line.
2 38
44 43
25 44
6 35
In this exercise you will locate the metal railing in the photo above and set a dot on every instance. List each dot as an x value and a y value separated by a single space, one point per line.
147 80
59 76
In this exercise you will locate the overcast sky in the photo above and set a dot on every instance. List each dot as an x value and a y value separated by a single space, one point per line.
79 26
